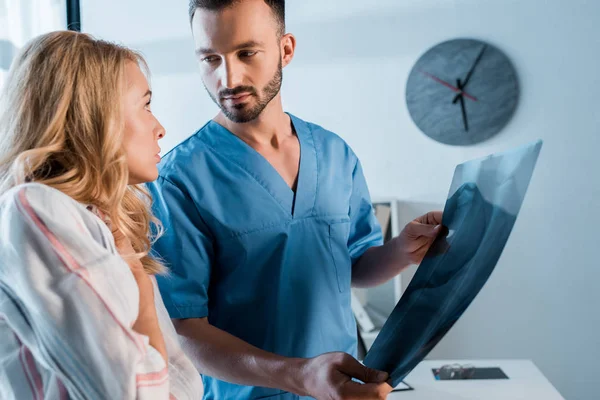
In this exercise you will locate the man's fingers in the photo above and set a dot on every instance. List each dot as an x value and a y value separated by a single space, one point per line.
416 229
431 218
351 367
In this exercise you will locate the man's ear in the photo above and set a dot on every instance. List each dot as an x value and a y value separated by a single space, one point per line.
288 47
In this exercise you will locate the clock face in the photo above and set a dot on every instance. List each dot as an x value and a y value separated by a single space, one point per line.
462 92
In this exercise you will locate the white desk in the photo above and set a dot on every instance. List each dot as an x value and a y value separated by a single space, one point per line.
525 382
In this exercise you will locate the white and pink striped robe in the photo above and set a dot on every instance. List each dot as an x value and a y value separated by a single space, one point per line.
67 305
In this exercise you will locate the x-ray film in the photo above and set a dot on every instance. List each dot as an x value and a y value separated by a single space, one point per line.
482 206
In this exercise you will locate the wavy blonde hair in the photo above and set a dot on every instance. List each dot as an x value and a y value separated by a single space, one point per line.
62 123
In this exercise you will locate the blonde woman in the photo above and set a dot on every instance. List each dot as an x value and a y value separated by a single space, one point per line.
80 313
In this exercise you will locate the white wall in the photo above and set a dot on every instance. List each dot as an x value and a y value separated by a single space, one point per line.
21 21
349 75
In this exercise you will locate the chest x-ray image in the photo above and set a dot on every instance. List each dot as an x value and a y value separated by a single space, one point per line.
481 209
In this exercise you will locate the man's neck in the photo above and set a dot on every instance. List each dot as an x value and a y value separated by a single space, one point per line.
272 126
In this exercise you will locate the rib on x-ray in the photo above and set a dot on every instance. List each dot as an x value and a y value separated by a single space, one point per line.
484 200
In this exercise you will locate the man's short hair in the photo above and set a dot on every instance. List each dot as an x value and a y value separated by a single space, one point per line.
277 6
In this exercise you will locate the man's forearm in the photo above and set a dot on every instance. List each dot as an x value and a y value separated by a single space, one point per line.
223 356
379 264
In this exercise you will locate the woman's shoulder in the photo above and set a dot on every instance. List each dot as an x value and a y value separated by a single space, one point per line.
35 194
43 203
36 217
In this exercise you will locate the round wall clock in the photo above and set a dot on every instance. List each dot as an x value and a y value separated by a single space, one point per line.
462 92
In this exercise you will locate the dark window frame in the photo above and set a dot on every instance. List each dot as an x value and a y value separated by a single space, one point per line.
73 15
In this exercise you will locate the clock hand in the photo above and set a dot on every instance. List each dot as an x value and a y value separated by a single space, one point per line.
454 88
471 71
462 106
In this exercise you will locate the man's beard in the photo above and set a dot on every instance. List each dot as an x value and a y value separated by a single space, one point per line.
241 113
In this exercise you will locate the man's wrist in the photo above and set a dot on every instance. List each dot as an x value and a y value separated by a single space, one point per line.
401 258
293 376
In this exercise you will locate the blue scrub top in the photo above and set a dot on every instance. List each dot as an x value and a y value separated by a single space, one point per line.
268 266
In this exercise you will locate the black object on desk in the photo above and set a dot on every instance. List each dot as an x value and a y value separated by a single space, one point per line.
453 372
